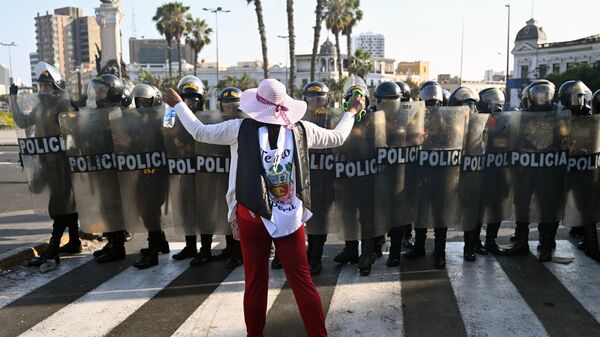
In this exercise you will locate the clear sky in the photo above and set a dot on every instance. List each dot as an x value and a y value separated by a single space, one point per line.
414 30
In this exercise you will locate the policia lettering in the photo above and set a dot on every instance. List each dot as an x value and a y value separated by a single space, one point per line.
584 163
92 163
208 164
140 161
358 168
439 158
41 145
397 155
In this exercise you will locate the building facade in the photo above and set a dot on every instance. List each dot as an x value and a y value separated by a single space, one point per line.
154 51
416 71
374 44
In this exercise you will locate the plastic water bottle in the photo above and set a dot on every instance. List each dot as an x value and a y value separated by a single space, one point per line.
169 117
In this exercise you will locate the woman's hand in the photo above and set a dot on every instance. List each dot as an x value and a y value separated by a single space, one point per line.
172 97
356 105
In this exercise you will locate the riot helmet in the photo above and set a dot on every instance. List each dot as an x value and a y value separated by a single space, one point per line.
575 96
146 96
51 84
524 97
191 90
446 93
541 94
127 99
431 93
491 100
105 90
464 96
387 90
596 102
316 94
229 100
405 91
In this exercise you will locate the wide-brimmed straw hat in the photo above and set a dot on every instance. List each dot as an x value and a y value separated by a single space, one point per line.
269 103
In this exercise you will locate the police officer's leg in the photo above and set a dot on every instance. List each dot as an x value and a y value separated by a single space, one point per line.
479 249
367 256
418 250
379 242
225 253
349 254
236 256
205 253
469 248
115 248
396 235
439 253
491 233
52 252
407 238
149 257
590 237
521 245
547 233
74 244
317 241
190 250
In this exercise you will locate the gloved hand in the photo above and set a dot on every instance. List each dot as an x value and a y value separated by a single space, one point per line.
13 89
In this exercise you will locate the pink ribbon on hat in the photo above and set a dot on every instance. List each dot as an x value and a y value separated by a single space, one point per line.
279 110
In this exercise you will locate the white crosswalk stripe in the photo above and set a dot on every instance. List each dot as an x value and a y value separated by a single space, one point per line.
482 290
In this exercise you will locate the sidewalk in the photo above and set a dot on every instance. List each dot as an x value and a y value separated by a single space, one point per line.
21 233
8 137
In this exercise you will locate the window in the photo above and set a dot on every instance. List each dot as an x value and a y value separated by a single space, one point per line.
524 72
556 68
569 65
543 70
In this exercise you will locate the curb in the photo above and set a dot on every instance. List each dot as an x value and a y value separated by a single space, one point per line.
19 255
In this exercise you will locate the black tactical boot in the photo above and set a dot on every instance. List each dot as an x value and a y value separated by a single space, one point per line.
114 249
236 256
225 253
590 236
546 239
189 251
163 245
379 242
396 236
52 252
521 246
205 253
439 252
149 257
408 241
74 244
316 253
104 249
577 232
276 263
418 250
469 248
491 233
479 249
349 254
367 256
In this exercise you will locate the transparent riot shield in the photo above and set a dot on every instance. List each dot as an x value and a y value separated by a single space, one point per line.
539 162
212 182
322 175
181 165
404 137
471 171
42 152
439 167
142 170
89 148
583 172
357 181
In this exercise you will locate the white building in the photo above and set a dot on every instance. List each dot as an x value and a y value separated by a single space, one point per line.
534 58
374 44
33 61
4 79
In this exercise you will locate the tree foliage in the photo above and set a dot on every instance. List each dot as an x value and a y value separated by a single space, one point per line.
589 74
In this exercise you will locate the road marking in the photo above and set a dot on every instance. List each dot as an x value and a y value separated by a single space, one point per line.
580 277
113 301
12 289
366 305
222 313
489 303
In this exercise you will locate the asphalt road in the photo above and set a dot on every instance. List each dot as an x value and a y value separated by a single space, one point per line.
14 195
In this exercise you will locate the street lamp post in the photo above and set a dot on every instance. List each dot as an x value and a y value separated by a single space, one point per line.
286 37
507 55
12 44
216 11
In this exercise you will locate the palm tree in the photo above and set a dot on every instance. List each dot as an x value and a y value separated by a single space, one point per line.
197 36
362 64
353 15
335 20
172 18
263 34
292 41
245 82
319 19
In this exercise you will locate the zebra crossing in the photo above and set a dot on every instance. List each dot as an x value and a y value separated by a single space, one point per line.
494 296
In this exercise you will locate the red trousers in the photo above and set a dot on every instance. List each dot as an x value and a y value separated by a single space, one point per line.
256 248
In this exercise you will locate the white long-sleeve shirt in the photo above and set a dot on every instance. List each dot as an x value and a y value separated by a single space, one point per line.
226 133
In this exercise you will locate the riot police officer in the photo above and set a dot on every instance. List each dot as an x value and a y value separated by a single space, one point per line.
47 171
405 91
446 93
107 91
127 98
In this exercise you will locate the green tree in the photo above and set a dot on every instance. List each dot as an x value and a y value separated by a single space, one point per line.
589 74
414 89
362 64
292 42
317 34
263 34
197 36
244 82
353 15
171 21
335 21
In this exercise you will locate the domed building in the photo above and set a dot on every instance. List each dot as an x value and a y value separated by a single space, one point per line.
534 57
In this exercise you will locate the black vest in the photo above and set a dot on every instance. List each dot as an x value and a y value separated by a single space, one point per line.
251 185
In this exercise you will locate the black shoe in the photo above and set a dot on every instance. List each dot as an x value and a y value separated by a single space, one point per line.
581 245
315 267
364 264
480 249
469 253
379 242
493 248
276 264
147 260
185 253
72 247
414 253
545 255
102 250
518 249
346 257
439 260
392 262
201 258
576 232
112 254
51 253
164 248
224 254
513 238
